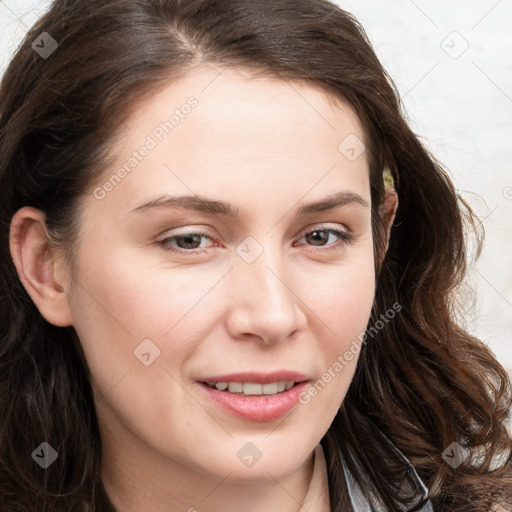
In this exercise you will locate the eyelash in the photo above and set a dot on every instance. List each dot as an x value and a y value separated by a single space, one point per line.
344 236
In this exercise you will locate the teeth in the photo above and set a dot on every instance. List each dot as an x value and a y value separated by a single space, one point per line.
269 389
253 388
235 387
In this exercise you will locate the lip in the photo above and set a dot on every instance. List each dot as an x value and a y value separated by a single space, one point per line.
255 408
256 377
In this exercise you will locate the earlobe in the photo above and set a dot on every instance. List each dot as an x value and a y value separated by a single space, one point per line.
37 265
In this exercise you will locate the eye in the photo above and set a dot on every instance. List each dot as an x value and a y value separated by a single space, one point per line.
323 236
185 243
191 242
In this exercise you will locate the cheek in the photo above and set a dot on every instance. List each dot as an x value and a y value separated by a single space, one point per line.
341 304
342 296
125 300
125 293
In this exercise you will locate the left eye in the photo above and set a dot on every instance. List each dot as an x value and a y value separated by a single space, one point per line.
322 235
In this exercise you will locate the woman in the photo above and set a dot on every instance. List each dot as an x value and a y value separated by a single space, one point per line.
228 273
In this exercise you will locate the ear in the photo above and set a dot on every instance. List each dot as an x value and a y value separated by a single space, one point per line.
388 211
39 268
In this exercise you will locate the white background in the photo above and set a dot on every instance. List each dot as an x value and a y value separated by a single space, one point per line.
459 101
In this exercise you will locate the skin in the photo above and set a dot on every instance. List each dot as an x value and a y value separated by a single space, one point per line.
267 147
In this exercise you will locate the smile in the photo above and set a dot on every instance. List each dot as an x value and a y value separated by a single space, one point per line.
253 388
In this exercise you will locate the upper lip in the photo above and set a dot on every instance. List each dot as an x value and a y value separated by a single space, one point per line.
256 377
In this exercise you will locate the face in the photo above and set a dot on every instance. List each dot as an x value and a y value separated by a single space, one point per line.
236 249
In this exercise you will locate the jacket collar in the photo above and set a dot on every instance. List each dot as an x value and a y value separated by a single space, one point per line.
412 485
317 496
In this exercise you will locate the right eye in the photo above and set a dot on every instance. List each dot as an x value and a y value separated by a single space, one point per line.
185 243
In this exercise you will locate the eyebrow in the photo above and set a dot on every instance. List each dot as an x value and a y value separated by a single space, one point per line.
213 207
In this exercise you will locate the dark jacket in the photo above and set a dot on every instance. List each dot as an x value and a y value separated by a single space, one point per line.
412 484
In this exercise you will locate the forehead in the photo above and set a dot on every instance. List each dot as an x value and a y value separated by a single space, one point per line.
231 131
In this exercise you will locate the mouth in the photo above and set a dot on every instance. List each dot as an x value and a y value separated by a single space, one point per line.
255 396
253 388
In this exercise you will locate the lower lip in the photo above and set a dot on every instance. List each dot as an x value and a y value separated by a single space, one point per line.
257 407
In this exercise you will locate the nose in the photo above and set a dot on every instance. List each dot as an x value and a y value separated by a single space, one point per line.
264 300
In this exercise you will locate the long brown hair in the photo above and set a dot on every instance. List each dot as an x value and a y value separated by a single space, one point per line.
422 380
